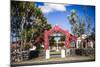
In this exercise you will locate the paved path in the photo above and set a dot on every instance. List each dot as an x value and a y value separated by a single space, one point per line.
68 59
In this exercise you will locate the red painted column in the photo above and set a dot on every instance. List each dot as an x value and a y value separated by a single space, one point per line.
67 40
46 40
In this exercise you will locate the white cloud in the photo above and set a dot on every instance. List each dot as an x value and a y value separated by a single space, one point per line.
47 7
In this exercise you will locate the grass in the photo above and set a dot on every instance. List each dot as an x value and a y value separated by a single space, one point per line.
55 52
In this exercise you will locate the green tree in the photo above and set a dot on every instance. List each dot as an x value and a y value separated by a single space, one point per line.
27 21
78 25
52 41
92 36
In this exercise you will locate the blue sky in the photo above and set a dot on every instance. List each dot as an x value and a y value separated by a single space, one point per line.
58 13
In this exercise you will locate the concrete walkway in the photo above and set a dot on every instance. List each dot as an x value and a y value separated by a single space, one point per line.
42 60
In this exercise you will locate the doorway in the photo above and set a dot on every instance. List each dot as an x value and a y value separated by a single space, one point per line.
56 44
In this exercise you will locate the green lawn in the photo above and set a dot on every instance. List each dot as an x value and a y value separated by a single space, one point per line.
55 52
